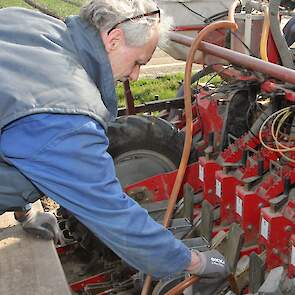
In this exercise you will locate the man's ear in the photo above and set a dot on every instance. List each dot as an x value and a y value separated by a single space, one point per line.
113 40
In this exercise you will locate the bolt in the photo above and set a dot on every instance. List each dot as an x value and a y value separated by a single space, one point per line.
275 251
210 191
288 228
250 227
285 260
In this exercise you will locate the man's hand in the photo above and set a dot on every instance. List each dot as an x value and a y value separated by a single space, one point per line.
208 264
41 224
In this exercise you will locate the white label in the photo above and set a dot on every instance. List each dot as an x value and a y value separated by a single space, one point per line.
201 172
293 256
218 188
239 206
264 228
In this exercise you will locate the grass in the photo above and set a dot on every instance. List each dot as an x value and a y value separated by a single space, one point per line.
60 7
8 3
165 87
145 90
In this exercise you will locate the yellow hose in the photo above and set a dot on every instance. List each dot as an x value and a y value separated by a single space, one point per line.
264 35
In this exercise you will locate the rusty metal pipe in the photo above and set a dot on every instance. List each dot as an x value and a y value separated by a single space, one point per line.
129 100
249 62
177 290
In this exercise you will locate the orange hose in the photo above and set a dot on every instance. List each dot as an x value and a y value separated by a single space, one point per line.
187 99
188 129
188 112
231 11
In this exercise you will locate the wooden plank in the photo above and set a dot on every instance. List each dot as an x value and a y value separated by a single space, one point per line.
28 265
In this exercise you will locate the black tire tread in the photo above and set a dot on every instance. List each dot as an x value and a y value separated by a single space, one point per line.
135 132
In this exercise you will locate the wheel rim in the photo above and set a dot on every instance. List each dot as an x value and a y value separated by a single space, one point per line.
137 165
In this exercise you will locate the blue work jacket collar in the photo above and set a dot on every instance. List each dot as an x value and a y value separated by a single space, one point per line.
94 59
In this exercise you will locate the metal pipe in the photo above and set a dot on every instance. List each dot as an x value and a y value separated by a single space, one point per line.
129 100
177 290
249 62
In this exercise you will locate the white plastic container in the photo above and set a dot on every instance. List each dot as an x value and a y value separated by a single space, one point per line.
190 14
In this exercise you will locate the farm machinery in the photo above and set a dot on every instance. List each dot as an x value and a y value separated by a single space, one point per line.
220 158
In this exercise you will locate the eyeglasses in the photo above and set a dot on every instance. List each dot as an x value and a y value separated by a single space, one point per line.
155 12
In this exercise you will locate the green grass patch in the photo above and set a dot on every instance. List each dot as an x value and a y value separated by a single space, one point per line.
60 7
10 3
165 87
145 90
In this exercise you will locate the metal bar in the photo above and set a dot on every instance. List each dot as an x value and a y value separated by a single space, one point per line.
248 31
249 62
207 220
153 106
129 99
98 278
189 28
188 202
256 272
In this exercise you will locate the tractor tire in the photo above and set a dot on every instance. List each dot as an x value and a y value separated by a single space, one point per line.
143 146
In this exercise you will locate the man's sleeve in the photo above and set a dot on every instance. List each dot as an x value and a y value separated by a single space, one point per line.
72 166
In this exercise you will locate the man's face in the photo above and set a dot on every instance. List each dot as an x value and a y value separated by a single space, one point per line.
127 60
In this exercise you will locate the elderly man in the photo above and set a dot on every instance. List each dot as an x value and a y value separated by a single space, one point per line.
57 95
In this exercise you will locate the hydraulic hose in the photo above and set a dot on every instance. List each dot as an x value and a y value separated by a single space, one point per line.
231 12
264 34
188 127
187 100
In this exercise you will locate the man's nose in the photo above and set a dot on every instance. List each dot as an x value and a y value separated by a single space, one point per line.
135 73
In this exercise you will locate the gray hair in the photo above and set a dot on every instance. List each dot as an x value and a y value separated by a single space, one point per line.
104 14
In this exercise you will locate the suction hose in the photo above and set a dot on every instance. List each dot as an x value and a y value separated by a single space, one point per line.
188 129
187 99
188 132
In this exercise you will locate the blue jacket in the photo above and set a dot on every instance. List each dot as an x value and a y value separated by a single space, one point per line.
63 153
